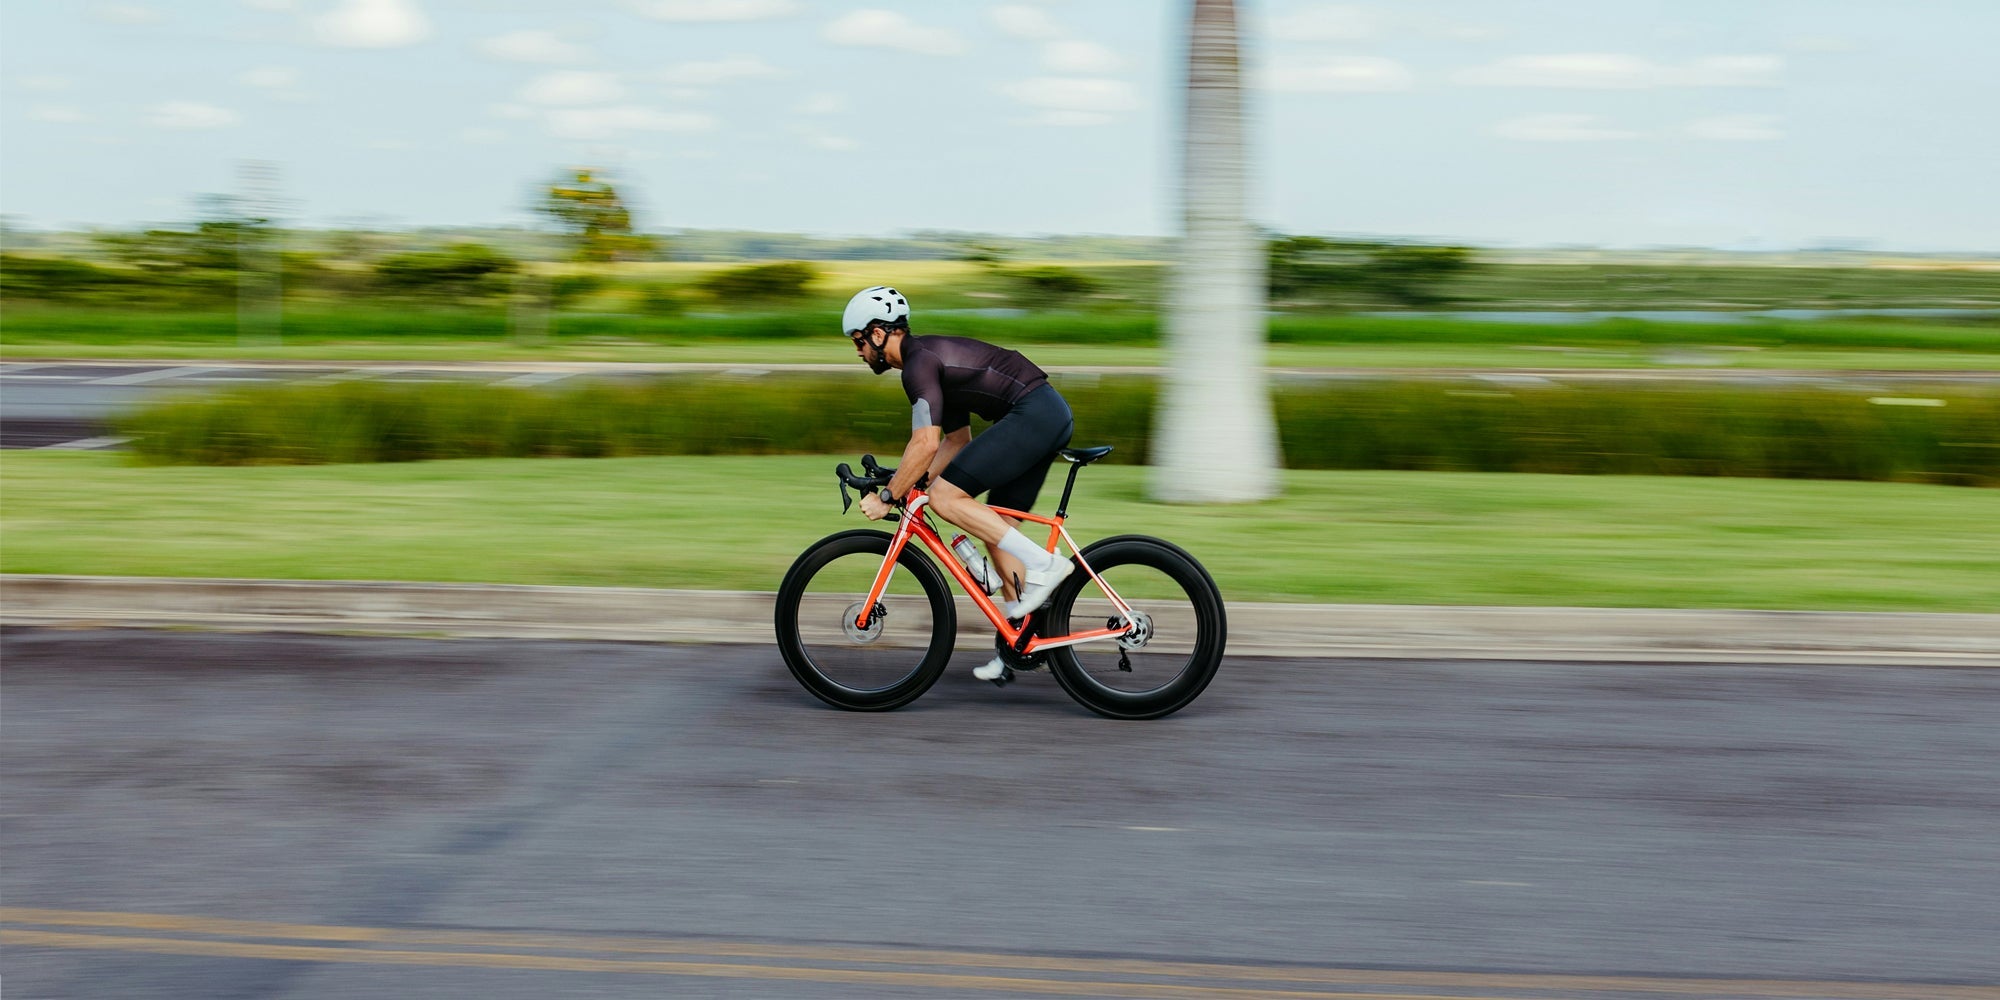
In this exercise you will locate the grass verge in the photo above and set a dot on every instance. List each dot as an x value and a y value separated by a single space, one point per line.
1367 537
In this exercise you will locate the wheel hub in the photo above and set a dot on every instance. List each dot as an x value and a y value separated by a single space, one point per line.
855 632
1140 633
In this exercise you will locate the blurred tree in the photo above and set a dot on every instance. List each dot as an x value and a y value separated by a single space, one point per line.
590 211
1215 439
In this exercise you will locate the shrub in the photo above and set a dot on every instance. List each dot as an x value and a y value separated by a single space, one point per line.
567 289
55 279
660 300
463 271
1308 268
1049 286
780 282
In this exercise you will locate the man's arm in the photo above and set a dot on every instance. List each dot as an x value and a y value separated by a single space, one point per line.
948 449
916 462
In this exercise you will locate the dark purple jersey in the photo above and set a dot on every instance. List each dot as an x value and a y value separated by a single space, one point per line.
950 378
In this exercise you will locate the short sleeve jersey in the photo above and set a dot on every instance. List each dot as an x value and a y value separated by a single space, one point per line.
950 378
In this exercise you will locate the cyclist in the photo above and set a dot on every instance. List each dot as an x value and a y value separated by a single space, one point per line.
947 379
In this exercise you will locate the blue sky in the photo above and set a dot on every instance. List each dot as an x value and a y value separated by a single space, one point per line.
1741 124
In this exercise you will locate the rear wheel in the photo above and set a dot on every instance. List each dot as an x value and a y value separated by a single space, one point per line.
897 656
1168 659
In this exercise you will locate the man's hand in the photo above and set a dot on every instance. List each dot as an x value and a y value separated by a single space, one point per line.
873 507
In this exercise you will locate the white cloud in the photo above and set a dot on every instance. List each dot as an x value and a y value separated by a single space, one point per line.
823 104
530 46
1351 74
603 123
1075 56
1068 100
46 82
1029 24
716 11
1731 71
573 86
481 135
269 77
887 29
278 5
819 138
1586 70
1324 23
126 13
59 114
372 24
191 115
1736 128
1619 71
725 70
1557 127
513 112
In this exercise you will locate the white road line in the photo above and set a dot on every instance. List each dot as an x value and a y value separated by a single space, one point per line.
354 374
158 375
47 378
535 378
84 444
231 378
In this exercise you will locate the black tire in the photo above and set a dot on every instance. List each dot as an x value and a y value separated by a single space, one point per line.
909 648
1189 629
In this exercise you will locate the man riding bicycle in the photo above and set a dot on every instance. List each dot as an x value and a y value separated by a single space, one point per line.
947 379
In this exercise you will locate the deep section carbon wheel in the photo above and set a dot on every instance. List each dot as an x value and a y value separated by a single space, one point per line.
898 653
1176 633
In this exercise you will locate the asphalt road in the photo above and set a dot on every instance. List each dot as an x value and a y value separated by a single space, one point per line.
67 404
532 819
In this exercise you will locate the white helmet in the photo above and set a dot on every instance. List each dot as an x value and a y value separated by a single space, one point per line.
869 305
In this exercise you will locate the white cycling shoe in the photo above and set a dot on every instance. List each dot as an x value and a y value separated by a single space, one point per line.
1036 587
994 669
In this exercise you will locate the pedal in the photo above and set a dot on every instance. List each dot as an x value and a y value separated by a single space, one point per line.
1124 663
1006 677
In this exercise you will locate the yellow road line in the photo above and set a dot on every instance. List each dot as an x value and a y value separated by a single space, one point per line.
712 970
216 926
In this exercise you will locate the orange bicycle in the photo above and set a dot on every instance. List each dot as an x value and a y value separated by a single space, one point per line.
867 623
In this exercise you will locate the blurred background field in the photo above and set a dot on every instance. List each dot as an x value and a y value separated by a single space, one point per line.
736 522
193 293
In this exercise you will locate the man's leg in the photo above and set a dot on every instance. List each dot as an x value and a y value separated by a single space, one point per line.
978 520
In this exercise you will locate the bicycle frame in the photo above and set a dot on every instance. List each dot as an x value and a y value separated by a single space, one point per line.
916 524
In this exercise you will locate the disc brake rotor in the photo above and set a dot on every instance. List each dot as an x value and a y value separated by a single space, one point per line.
855 632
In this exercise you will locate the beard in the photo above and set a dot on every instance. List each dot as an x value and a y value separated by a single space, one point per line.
880 362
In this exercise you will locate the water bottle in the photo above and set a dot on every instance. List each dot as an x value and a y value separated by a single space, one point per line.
975 563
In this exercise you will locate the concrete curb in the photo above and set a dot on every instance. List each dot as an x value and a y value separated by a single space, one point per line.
1319 630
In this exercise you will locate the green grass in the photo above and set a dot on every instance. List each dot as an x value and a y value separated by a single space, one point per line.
737 522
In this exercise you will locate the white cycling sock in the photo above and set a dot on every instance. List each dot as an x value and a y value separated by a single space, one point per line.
1033 556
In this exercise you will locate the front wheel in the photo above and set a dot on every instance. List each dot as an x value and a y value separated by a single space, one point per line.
902 650
1167 662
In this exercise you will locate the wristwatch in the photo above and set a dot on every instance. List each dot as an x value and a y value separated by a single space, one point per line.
887 497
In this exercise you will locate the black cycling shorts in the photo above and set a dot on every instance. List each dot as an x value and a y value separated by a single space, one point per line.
1012 457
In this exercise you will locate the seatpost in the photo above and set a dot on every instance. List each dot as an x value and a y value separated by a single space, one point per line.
1062 509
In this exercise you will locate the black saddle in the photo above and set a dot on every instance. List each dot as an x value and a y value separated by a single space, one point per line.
1085 456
